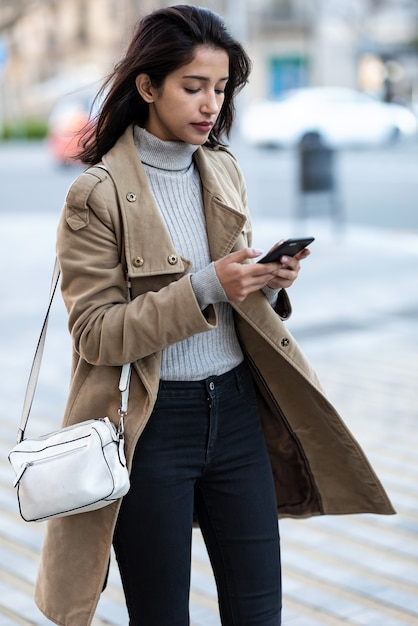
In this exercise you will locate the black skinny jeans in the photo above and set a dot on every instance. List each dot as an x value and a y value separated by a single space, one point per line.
202 452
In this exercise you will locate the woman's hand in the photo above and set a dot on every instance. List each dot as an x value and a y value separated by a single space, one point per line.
286 271
238 278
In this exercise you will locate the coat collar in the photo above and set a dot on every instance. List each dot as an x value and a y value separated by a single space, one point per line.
142 222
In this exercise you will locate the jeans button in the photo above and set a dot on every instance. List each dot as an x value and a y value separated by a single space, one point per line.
211 385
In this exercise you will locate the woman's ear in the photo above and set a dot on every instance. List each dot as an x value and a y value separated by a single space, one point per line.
145 88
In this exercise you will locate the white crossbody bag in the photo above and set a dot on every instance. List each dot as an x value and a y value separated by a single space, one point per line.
75 469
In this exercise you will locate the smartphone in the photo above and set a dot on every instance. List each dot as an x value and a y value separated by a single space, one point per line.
290 247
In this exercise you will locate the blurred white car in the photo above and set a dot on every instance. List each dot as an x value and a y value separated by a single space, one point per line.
342 117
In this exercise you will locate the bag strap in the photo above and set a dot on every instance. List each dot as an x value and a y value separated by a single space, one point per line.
36 366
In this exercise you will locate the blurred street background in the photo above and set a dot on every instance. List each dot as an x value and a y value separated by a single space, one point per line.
349 178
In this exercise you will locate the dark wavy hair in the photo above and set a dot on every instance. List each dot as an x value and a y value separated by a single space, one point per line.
162 42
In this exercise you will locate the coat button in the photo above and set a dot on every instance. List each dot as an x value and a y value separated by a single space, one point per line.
131 196
137 261
285 342
172 259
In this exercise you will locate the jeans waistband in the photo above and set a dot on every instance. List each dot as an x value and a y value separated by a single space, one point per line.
218 382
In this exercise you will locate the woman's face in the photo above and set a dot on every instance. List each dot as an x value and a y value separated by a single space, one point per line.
187 105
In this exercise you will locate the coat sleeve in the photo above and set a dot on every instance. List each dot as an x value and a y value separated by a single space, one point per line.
107 329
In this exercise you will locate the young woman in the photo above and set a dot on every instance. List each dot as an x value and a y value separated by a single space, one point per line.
227 424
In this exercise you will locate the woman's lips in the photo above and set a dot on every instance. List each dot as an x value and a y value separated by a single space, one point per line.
203 127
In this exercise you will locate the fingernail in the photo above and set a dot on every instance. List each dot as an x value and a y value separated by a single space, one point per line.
284 259
257 251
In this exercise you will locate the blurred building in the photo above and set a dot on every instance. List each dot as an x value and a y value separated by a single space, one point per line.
367 44
57 46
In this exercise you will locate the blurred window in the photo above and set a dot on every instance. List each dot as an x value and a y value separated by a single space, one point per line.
83 31
287 72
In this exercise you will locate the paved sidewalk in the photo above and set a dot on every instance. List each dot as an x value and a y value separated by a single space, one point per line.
356 317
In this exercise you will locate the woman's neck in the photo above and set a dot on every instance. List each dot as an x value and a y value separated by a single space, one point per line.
166 155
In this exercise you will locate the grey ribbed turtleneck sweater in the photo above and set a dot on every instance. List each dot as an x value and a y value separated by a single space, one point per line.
175 183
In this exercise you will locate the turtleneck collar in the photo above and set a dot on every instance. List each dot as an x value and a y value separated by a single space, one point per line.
165 155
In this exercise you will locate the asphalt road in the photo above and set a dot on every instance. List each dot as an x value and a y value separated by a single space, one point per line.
374 187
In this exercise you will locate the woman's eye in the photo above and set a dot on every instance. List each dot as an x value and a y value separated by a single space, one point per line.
189 90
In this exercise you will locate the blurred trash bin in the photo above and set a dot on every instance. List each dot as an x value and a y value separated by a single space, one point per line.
316 164
317 173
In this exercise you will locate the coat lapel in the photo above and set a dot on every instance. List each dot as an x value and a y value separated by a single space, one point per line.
224 220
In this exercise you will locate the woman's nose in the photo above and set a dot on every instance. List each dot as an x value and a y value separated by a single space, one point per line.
210 104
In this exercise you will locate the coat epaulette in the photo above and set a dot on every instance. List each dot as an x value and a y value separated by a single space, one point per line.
77 210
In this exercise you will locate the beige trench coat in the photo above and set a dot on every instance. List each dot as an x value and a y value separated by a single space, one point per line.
110 216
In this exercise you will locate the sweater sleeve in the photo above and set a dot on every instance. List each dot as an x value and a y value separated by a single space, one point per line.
271 295
207 287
